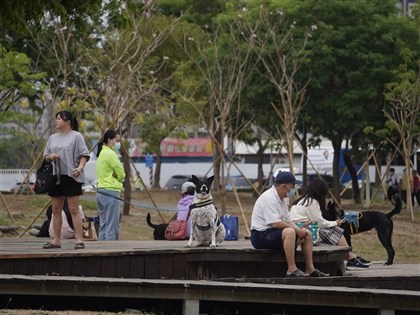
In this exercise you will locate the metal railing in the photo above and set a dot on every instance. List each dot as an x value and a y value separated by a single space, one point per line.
10 177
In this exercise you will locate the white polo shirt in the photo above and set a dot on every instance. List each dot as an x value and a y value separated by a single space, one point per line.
268 209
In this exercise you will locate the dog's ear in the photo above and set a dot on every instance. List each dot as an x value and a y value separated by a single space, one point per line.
210 180
330 206
195 180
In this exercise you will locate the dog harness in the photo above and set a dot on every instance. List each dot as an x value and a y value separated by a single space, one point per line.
202 204
207 227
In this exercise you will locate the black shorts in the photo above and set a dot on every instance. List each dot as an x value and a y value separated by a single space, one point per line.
67 187
268 239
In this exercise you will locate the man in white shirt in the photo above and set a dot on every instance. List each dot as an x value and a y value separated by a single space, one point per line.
271 227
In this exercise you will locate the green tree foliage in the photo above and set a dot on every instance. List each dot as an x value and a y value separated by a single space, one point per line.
351 58
16 15
195 12
17 80
21 94
403 114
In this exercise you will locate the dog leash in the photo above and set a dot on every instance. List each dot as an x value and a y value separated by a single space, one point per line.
135 204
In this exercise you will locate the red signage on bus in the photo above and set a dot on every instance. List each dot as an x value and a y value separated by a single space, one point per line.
174 147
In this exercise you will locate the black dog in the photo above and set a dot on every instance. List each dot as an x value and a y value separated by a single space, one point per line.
368 220
159 232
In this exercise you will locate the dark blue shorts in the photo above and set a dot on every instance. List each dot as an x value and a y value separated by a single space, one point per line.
67 187
268 239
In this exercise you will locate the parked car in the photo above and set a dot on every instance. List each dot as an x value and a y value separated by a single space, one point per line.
240 183
22 188
243 184
176 181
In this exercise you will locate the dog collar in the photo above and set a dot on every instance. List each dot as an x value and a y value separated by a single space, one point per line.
201 204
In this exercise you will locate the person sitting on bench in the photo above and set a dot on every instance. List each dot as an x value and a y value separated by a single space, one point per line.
272 228
67 228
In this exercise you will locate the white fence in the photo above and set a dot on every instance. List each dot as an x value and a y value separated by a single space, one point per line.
10 177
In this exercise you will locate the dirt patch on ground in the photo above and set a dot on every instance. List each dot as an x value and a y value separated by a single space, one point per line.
25 208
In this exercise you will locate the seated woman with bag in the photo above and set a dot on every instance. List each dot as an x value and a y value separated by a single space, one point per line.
180 228
310 206
67 228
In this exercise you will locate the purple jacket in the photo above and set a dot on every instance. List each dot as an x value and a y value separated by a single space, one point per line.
183 207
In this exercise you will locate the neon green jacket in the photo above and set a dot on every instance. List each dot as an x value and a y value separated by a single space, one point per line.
109 170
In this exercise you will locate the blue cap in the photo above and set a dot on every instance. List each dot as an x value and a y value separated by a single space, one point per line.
285 178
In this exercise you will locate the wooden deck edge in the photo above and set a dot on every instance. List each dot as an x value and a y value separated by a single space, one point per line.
210 291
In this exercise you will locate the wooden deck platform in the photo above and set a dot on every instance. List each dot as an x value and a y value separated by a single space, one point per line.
190 280
194 297
156 259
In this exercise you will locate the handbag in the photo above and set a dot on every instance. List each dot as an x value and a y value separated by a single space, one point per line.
89 232
312 226
44 178
176 230
231 226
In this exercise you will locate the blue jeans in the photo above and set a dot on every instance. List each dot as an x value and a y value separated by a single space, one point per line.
109 214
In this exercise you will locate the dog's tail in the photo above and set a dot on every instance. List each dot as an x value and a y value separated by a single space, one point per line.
398 206
149 222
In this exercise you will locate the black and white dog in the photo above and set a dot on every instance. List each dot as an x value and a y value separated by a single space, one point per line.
368 220
159 229
206 227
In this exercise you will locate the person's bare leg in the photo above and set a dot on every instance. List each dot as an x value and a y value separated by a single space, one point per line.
57 204
288 237
73 202
307 255
343 242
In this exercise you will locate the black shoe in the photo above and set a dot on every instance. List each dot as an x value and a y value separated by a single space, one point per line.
364 261
355 264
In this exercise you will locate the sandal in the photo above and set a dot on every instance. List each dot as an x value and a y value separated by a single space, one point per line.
79 246
50 246
297 273
316 273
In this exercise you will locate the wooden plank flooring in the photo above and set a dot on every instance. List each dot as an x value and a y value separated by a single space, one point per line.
168 270
32 247
155 259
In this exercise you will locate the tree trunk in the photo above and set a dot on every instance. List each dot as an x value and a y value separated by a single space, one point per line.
352 171
260 174
336 143
260 162
304 144
217 158
127 182
289 140
158 167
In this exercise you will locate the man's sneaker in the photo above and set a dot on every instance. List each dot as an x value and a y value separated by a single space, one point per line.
355 264
364 261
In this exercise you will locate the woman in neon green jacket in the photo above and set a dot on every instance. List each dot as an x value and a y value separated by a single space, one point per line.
110 174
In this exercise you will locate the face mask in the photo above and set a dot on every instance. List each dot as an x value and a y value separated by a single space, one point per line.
291 193
117 146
